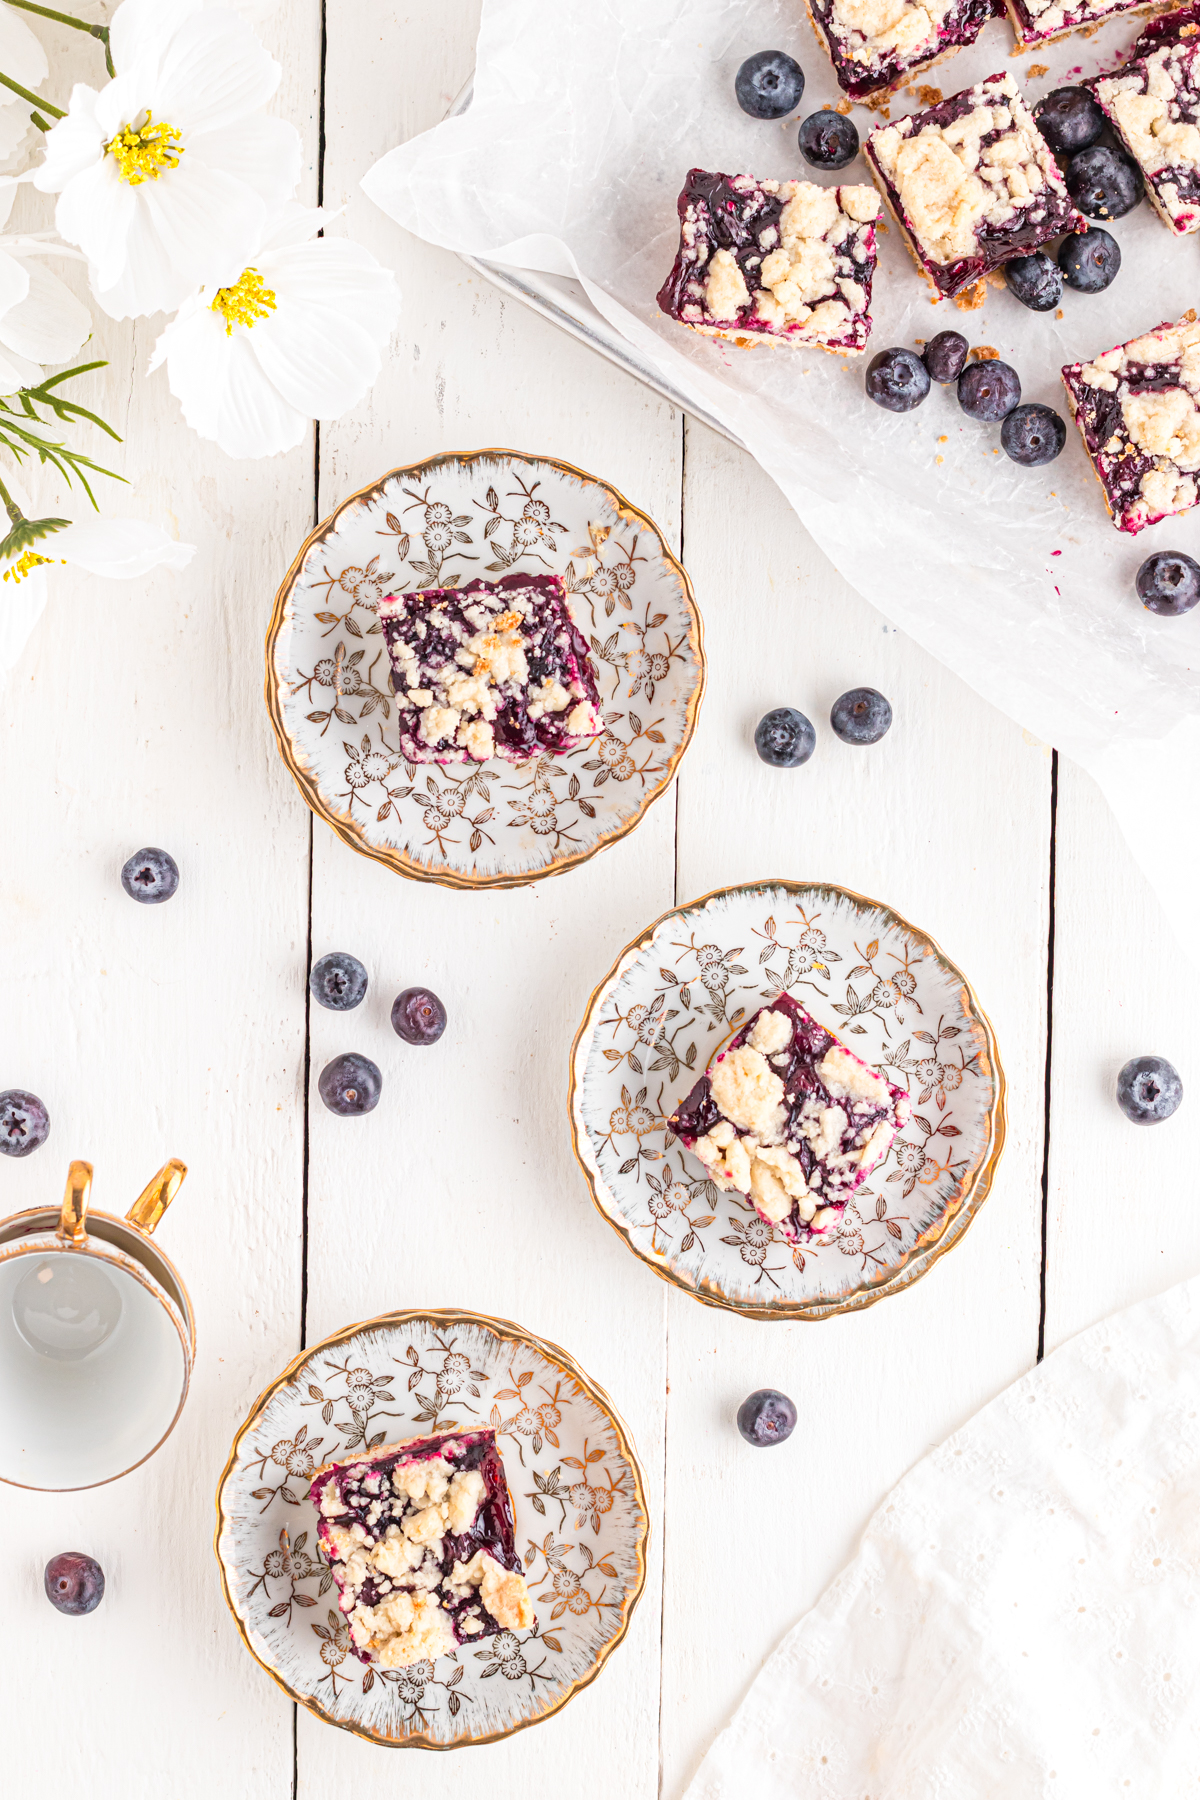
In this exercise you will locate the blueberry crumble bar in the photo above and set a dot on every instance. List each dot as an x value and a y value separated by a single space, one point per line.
876 45
419 1537
1138 411
971 182
774 261
1153 105
788 1116
495 668
1037 21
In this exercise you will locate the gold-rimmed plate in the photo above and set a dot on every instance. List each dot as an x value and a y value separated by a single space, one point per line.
863 972
442 523
582 1524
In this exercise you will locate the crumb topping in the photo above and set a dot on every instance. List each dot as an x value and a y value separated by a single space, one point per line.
749 1092
1155 105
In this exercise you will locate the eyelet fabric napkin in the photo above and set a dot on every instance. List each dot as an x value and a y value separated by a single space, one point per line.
1022 1616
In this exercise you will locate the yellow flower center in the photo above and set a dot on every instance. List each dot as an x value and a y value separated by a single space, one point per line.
246 302
142 152
29 559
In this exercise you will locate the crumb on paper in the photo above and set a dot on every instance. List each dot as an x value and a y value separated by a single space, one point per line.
1089 31
983 353
843 106
929 96
1037 69
939 459
995 278
972 298
1059 313
1056 553
944 439
1019 50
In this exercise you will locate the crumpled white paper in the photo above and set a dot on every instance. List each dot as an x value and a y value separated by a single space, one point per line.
585 118
1021 1616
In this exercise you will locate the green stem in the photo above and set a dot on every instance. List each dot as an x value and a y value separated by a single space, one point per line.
15 515
33 99
62 18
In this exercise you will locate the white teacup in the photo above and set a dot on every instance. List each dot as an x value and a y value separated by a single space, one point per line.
96 1338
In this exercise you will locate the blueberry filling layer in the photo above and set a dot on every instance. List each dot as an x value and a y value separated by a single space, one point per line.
876 45
489 669
787 1115
420 1540
972 182
1137 410
777 260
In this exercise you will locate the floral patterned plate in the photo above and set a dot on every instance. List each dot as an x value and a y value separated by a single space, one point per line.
435 524
578 1496
864 972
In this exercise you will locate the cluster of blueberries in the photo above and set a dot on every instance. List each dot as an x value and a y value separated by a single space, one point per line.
988 390
351 1084
785 737
770 85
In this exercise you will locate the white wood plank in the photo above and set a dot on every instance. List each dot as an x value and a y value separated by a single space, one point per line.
423 1203
136 717
947 820
1122 1217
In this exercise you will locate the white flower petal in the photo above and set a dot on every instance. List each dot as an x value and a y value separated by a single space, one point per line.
16 372
264 153
213 74
294 224
49 325
99 213
221 388
72 145
15 126
321 363
180 236
21 606
338 275
14 281
141 30
118 548
21 54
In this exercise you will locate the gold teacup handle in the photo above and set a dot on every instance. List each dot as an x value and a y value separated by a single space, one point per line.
72 1222
156 1196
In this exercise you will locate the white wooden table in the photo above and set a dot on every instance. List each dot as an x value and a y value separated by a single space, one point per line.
136 716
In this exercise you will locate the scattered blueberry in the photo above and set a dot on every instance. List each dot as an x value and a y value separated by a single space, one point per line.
828 140
785 738
338 981
418 1016
1033 434
988 390
766 1417
1034 281
861 716
1089 260
897 379
74 1582
945 356
350 1085
150 876
1104 183
1069 119
24 1122
1149 1090
769 85
1167 582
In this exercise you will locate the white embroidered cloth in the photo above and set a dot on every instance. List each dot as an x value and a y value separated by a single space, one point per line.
1021 1618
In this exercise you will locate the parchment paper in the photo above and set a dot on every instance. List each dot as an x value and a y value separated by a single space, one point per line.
586 116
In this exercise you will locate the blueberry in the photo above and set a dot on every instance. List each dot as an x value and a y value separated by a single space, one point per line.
350 1085
1104 183
945 355
24 1122
861 716
1149 1090
785 738
897 379
988 390
1089 260
1069 119
338 981
74 1582
1167 582
766 1417
828 140
769 85
418 1016
1033 434
1034 281
150 876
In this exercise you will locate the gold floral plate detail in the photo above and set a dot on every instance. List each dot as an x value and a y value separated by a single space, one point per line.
863 972
441 523
582 1523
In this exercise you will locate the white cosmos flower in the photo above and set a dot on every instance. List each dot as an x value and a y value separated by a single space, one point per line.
296 337
41 321
166 176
